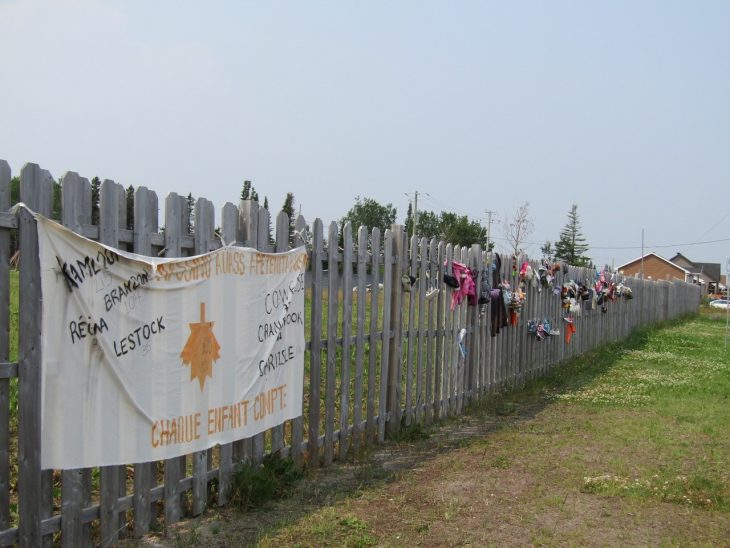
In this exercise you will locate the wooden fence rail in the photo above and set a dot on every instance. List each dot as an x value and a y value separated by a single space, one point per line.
386 349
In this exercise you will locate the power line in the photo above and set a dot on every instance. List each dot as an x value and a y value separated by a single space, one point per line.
633 246
663 245
448 207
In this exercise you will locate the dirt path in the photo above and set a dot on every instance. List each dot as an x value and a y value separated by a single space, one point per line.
487 479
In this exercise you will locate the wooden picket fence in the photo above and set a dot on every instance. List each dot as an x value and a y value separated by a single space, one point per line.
379 358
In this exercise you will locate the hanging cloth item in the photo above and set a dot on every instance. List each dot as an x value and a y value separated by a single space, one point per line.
460 342
498 313
467 287
569 329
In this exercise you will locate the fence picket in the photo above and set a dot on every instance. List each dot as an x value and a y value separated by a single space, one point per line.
315 353
5 174
362 243
438 394
297 435
372 427
345 362
175 467
332 321
385 347
204 241
281 244
411 291
75 484
421 288
145 224
35 191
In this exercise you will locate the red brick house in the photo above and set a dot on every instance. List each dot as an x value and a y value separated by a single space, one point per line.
655 267
679 267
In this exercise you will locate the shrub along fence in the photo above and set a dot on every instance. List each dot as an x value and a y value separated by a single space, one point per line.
385 350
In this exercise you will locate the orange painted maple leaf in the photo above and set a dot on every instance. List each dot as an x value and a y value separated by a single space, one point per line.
201 349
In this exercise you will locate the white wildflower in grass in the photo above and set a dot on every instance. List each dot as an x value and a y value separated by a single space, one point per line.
677 489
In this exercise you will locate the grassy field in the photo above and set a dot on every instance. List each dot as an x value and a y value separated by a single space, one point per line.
627 445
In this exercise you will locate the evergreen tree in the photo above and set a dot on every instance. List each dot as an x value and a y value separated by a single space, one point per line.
56 206
130 207
272 241
14 190
246 190
191 213
254 195
571 246
95 193
409 219
547 251
288 208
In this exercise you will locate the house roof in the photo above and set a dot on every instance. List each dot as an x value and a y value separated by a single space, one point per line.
680 256
711 270
621 267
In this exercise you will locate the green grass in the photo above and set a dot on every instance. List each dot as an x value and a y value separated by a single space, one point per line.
664 394
645 422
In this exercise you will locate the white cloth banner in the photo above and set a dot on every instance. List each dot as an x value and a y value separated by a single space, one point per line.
147 359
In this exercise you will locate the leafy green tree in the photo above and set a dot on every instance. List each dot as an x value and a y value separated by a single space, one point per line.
571 246
429 225
459 230
370 213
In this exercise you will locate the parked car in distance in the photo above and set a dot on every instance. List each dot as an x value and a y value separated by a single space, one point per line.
719 303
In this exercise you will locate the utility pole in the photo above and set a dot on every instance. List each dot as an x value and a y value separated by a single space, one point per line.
415 209
415 212
642 253
489 224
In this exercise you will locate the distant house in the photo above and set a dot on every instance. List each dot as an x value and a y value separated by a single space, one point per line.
655 267
679 267
705 274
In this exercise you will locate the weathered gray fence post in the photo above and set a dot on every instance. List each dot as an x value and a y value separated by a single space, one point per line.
75 484
229 235
36 190
392 405
204 242
112 478
346 334
175 467
331 363
145 224
281 244
315 353
297 434
4 350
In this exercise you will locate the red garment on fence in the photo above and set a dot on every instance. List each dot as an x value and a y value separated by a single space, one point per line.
467 287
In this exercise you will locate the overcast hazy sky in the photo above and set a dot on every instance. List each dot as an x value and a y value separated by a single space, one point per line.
619 107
